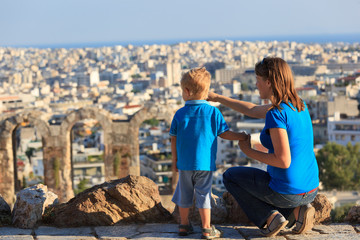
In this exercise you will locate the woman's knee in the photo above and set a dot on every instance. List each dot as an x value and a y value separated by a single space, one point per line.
232 174
227 175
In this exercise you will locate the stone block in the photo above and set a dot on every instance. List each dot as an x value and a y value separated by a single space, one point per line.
342 228
55 130
54 231
47 237
30 205
117 232
11 231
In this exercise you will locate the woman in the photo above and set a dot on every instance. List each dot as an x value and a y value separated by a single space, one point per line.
290 183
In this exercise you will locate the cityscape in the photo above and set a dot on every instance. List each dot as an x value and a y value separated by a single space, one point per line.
122 79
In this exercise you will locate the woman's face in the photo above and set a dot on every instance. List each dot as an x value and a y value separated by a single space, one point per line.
264 87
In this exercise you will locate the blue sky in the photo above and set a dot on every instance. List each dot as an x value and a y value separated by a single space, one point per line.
36 22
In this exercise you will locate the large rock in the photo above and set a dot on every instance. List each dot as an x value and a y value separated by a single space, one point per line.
130 199
322 209
218 212
5 212
353 215
30 205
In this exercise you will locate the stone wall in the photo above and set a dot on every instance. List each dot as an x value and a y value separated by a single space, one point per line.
120 141
7 128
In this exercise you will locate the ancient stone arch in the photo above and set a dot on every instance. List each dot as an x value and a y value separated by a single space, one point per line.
150 110
120 141
61 148
7 127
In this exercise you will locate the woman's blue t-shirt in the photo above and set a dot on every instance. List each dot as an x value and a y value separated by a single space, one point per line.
196 127
303 173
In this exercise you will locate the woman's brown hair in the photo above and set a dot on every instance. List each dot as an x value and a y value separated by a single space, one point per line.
278 72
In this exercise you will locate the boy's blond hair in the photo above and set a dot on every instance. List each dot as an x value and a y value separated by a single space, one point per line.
197 80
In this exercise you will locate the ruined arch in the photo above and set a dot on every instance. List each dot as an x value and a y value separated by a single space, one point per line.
120 138
62 150
7 126
150 110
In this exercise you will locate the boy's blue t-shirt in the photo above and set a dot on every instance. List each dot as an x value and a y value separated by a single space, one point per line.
303 173
196 127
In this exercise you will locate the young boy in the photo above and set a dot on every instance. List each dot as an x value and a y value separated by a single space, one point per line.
194 130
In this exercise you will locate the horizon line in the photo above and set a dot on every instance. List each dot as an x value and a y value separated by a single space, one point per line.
303 38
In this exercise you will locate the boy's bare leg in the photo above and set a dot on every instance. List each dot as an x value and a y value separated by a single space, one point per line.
205 214
184 217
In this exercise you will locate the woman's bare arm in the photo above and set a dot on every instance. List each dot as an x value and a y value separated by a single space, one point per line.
281 157
247 108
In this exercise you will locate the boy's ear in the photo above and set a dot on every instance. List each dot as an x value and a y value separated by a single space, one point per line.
187 91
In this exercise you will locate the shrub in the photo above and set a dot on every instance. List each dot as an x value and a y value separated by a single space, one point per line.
338 214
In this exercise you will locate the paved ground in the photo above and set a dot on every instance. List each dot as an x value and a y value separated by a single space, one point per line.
160 231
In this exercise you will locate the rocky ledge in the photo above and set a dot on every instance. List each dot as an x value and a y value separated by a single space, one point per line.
166 231
131 207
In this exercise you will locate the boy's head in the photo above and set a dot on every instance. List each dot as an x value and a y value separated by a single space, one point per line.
196 83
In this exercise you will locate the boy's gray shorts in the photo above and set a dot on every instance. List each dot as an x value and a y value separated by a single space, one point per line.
190 183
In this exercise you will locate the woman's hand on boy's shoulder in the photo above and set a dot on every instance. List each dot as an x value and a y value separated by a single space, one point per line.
212 96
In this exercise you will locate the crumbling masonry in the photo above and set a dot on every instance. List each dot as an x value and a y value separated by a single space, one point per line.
119 136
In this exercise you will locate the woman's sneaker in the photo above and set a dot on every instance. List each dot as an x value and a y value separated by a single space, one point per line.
276 225
305 220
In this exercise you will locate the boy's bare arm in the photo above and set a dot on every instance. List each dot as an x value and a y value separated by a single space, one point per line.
230 135
173 153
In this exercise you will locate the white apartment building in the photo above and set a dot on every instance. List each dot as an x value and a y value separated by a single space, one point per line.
321 107
227 75
229 150
14 102
157 167
343 131
173 73
226 151
88 165
218 187
37 164
94 78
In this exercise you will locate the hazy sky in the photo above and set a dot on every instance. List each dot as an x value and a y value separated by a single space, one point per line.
25 22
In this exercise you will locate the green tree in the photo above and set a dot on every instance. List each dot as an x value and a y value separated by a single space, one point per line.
25 185
338 214
153 122
244 87
136 76
339 166
82 186
29 152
